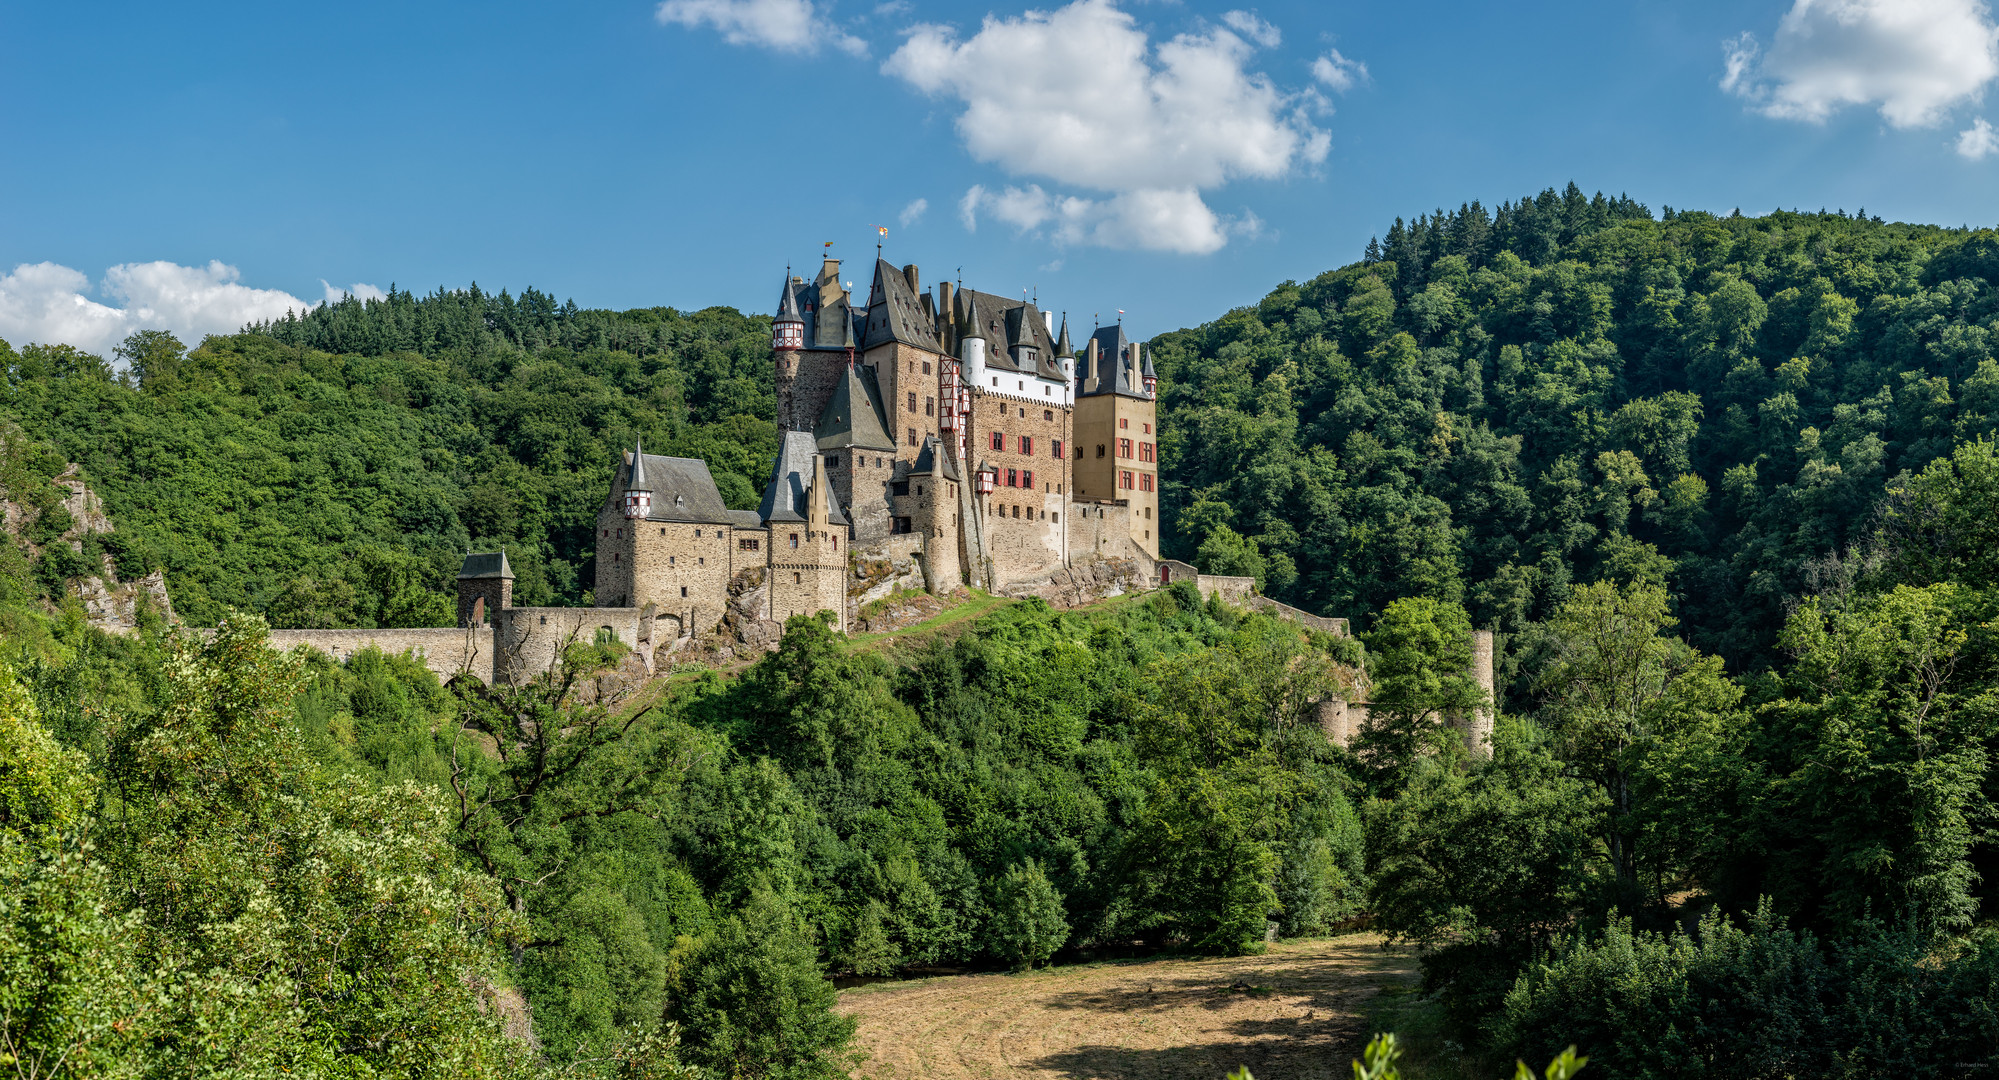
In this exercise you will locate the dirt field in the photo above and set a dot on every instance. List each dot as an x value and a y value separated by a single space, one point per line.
1300 1018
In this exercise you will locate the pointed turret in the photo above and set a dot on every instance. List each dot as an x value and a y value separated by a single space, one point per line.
638 491
1150 376
1062 346
787 330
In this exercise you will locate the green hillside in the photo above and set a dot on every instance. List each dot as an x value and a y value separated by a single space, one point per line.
267 472
1496 406
1729 488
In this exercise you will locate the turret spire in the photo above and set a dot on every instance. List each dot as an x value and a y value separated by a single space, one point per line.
638 491
787 330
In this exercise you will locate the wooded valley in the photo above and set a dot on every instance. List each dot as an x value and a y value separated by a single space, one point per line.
1726 487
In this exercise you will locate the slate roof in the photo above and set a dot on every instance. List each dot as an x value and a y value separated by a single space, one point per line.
1005 323
485 564
744 519
1116 377
933 461
787 303
853 416
895 313
784 496
682 490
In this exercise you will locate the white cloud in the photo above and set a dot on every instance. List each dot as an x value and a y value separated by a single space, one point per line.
913 213
1248 25
47 303
1338 72
1978 141
1913 59
1153 219
792 26
1082 97
360 290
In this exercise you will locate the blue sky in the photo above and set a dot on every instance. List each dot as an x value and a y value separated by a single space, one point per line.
189 165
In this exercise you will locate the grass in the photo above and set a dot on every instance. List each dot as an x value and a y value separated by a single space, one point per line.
1429 1049
952 620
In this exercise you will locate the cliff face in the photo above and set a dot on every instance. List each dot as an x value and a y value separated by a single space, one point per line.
110 603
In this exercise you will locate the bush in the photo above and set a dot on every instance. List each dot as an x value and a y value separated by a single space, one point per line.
1028 923
752 1003
1758 1001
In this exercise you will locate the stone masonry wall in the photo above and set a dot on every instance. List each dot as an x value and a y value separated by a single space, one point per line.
614 583
527 642
1235 590
860 480
900 371
446 652
1100 530
683 570
809 578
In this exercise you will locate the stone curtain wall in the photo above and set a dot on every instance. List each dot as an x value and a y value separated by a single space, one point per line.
446 651
528 641
1236 590
1100 530
1337 627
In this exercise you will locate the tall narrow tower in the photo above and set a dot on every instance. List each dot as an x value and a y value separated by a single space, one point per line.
787 343
638 491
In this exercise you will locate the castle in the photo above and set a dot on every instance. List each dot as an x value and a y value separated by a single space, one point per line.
959 430
958 433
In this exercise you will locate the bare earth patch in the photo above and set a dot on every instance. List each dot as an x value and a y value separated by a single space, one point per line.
1297 1011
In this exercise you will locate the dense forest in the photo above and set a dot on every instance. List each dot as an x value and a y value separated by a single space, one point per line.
263 472
1495 407
1727 487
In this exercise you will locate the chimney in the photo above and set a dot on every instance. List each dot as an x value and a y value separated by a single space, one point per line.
1048 320
1096 366
909 275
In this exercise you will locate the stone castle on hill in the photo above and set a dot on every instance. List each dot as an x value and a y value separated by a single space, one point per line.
958 431
953 437
930 440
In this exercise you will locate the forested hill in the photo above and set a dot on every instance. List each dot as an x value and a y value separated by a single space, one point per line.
1489 407
1493 407
332 469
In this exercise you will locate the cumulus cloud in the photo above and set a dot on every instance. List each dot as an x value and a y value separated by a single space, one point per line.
793 26
360 290
1912 59
1248 25
1082 97
1156 219
1978 141
48 303
1338 72
914 212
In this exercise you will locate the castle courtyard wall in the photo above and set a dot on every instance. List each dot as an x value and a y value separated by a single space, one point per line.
446 651
528 641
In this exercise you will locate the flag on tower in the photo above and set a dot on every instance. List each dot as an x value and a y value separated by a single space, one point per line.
829 243
883 229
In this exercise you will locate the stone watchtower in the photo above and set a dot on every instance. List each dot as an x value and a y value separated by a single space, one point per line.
485 585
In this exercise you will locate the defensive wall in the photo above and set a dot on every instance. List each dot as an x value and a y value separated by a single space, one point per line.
446 651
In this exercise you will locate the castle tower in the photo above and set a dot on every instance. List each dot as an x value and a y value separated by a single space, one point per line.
787 341
811 340
1117 432
933 493
485 586
808 535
